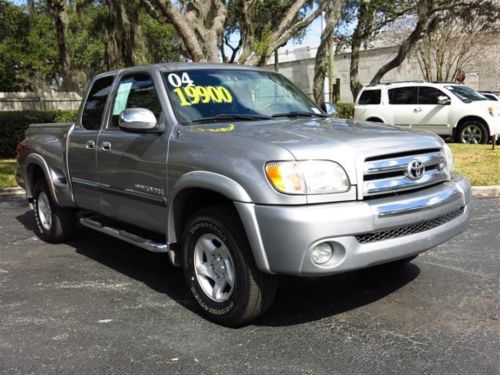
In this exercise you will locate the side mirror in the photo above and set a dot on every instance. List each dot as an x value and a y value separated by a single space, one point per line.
137 119
328 108
443 100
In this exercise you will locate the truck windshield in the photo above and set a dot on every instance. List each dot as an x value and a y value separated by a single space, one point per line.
199 96
465 94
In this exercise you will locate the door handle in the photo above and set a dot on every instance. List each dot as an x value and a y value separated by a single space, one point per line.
90 145
418 109
106 146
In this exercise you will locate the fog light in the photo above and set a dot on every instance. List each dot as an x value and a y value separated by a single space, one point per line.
322 253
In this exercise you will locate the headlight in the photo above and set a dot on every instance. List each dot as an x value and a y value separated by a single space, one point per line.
448 155
307 177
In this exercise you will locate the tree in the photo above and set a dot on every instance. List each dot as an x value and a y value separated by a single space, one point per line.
57 8
320 64
376 15
263 26
445 54
260 39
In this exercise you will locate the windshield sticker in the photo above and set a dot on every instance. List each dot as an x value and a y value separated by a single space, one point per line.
177 81
226 129
121 98
192 95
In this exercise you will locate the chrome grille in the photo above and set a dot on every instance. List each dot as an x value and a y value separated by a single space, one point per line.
406 230
389 173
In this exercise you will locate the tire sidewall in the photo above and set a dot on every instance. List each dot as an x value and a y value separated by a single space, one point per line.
42 232
236 304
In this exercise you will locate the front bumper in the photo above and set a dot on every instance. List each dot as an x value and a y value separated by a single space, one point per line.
288 233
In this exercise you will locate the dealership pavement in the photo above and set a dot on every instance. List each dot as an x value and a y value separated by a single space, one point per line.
97 305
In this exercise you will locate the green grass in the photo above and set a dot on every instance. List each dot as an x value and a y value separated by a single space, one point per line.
479 163
7 173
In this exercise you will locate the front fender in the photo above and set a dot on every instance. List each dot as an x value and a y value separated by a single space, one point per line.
234 192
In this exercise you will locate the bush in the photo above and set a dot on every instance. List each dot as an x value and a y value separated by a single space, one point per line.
344 110
14 124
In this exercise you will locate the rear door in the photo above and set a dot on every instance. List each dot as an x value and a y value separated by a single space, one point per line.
403 103
83 145
132 166
429 115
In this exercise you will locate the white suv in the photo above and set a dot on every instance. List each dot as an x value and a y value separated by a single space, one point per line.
448 109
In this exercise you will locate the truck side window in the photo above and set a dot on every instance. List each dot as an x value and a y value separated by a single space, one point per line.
403 95
135 91
429 95
369 97
96 102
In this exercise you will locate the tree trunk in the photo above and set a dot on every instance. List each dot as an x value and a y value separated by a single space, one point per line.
321 60
358 37
58 10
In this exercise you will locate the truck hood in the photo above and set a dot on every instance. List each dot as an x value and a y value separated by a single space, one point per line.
346 142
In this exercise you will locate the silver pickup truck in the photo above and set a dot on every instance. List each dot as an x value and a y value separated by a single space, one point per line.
238 177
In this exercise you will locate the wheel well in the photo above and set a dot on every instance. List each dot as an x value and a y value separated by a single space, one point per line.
471 118
34 173
188 201
374 119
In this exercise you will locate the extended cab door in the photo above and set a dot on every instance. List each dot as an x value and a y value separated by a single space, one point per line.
132 165
83 145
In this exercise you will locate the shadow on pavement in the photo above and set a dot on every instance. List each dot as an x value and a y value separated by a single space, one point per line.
298 300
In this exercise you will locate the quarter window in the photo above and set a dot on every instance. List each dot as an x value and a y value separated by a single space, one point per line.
403 95
369 97
96 103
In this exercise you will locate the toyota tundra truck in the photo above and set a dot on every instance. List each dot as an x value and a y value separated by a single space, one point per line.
239 177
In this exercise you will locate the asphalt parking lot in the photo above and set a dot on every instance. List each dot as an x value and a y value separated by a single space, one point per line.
97 305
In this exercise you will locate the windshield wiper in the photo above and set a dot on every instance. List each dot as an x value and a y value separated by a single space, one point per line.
299 114
231 116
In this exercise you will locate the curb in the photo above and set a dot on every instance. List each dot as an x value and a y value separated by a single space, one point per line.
486 191
477 191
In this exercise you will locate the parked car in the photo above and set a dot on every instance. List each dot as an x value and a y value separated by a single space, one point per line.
491 95
447 109
238 177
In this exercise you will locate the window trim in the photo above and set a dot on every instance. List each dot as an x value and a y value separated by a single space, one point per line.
84 102
118 79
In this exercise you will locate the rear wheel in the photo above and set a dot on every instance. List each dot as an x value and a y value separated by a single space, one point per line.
53 223
220 271
472 131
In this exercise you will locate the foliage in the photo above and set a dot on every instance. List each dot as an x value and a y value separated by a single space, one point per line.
344 110
14 124
7 173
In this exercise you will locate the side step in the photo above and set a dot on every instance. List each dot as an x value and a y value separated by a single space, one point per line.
147 244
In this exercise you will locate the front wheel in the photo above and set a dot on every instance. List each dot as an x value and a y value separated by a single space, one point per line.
220 271
472 131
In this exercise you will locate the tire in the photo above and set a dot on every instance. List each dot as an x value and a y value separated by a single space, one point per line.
220 271
53 223
472 131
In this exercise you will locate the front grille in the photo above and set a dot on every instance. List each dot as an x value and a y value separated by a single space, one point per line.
406 230
387 174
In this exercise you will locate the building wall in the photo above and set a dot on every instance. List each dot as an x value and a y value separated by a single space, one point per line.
482 73
29 101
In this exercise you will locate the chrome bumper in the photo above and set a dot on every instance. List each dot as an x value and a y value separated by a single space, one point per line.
286 234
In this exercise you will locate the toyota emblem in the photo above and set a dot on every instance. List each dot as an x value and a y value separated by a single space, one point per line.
415 169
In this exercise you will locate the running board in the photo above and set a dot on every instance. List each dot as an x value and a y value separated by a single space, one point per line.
155 247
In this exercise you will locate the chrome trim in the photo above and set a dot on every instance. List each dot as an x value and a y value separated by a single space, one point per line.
419 204
401 163
402 183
